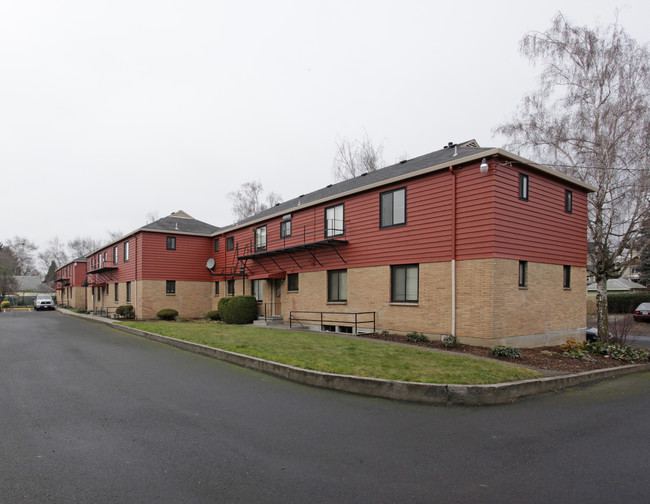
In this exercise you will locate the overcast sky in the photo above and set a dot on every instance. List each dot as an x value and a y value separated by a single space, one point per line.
110 110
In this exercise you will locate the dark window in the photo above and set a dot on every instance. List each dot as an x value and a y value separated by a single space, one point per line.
523 186
126 251
392 208
230 243
216 288
99 293
231 287
116 290
171 243
337 285
568 201
566 281
285 226
523 273
128 292
292 282
216 245
260 238
404 282
256 290
334 221
115 254
170 286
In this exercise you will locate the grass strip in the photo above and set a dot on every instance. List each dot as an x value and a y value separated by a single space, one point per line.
336 354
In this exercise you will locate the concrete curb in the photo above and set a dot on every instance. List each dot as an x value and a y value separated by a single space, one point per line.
430 393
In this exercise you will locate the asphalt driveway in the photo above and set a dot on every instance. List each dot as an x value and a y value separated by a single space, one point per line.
91 414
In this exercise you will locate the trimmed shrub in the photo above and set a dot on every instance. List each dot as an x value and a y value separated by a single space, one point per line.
212 315
167 314
5 304
238 309
125 311
416 337
506 351
450 341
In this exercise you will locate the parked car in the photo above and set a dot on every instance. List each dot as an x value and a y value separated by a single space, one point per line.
642 312
43 302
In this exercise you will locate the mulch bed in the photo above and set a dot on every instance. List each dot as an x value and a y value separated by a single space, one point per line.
547 358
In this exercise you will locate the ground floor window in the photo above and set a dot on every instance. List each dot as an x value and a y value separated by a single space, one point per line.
337 285
116 292
567 277
128 292
256 290
170 287
292 282
404 283
231 287
216 288
523 273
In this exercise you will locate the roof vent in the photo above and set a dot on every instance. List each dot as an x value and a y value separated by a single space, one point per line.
405 160
330 185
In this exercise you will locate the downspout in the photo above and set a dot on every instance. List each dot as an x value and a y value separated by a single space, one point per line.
453 250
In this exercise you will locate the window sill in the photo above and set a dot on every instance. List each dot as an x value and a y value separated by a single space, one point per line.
403 303
337 302
170 293
523 287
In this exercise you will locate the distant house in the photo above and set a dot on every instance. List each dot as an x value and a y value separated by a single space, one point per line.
475 242
618 285
29 285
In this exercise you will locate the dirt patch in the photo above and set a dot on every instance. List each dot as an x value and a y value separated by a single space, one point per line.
546 358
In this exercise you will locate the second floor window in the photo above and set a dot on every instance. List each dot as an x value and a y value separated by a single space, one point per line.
171 243
568 201
392 208
126 251
230 243
115 254
334 221
523 186
285 226
260 238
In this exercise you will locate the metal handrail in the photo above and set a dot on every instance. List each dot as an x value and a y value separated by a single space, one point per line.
323 320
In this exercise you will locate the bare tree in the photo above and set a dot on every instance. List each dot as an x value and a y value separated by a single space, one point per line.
590 118
248 200
23 250
354 157
55 252
8 266
81 246
152 216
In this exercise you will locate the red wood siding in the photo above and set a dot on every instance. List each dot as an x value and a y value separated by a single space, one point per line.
186 263
491 221
539 229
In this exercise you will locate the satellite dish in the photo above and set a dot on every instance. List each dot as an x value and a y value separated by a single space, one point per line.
210 264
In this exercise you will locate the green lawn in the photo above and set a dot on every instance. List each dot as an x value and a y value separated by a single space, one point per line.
335 354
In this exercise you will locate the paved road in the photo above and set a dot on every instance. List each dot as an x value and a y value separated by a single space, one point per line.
90 414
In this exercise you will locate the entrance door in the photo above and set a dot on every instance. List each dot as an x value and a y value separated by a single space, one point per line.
277 294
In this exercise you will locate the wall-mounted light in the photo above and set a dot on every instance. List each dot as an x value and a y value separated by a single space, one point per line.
484 166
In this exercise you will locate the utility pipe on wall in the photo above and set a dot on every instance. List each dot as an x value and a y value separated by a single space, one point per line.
453 250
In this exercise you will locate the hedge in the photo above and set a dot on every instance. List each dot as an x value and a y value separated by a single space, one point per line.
167 314
626 303
238 309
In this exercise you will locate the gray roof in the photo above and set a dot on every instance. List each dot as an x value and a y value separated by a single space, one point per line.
182 223
32 284
404 168
618 284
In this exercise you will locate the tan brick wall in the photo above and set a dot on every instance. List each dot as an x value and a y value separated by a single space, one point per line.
369 290
191 300
490 307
